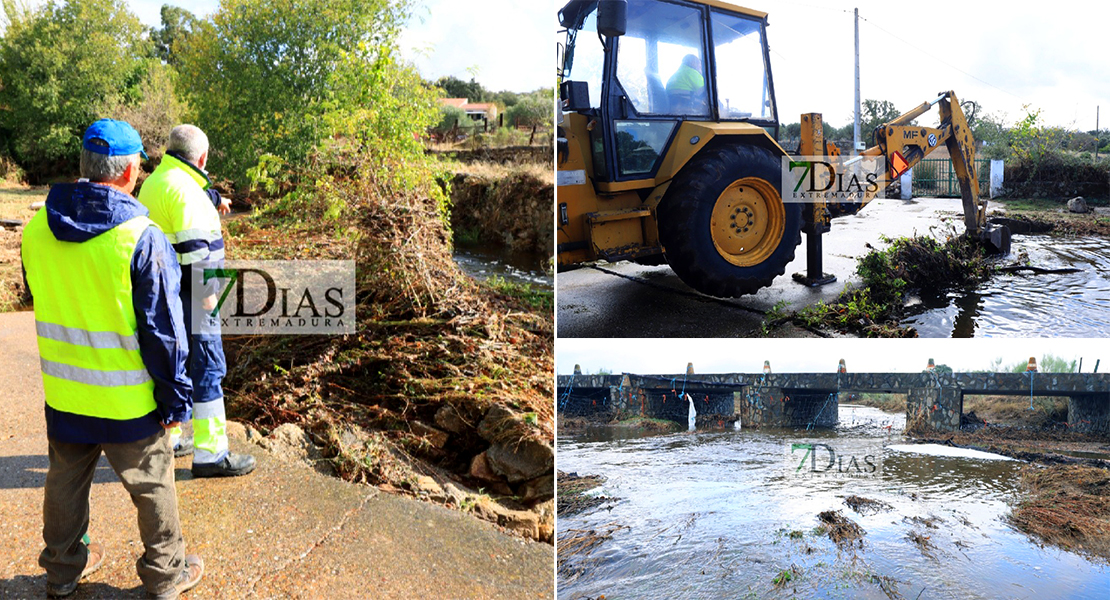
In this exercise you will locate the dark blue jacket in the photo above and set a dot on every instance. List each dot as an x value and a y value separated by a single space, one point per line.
77 212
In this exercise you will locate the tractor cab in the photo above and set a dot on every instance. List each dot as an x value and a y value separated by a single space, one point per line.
642 69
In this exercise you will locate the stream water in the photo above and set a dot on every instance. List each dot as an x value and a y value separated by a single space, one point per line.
1023 305
483 261
720 514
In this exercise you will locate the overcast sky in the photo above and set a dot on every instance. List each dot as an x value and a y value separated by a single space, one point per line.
1052 56
504 44
646 356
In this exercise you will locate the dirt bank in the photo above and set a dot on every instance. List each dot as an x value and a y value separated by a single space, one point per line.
574 424
513 210
445 390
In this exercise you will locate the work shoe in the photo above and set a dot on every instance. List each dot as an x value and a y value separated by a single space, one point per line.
231 465
183 447
188 579
96 558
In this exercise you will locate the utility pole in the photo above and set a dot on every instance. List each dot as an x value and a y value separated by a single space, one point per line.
855 126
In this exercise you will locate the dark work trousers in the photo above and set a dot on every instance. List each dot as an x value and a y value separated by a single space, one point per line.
146 469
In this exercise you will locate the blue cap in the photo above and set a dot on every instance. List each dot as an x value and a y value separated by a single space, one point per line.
120 137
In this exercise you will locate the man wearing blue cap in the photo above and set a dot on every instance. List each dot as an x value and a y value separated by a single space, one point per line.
113 353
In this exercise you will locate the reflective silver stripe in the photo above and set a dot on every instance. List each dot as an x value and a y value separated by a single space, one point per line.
217 255
193 234
82 337
213 409
92 376
192 257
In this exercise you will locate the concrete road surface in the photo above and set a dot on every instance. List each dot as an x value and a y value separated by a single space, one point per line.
284 531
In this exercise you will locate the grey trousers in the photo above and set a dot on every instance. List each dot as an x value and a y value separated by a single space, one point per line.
146 469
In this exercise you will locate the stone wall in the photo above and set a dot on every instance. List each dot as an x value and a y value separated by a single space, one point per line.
1089 413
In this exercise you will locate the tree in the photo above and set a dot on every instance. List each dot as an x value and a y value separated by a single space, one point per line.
875 113
943 369
60 66
177 24
449 118
531 111
457 88
267 77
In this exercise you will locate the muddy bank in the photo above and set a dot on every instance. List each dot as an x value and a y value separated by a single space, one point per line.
1024 221
511 155
513 211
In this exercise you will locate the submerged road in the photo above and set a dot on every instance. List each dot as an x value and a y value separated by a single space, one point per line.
284 531
630 300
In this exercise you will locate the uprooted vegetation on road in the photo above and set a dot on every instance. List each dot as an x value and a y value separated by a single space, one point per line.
876 307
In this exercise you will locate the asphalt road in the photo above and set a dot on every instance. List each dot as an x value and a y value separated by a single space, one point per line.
629 300
284 531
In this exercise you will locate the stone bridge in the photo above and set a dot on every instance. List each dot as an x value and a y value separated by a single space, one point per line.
935 400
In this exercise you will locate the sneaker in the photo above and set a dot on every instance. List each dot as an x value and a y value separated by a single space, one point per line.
188 579
96 558
183 447
231 465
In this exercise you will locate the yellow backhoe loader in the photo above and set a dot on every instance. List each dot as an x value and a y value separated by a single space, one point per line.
667 151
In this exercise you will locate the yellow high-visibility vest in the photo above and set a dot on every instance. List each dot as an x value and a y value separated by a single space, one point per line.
85 320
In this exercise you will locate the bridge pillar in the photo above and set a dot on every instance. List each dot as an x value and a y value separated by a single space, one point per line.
1089 413
933 409
779 407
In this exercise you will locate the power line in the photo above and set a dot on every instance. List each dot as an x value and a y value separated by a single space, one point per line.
940 60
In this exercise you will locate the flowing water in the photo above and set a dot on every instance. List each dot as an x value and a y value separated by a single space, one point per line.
720 514
483 261
1023 305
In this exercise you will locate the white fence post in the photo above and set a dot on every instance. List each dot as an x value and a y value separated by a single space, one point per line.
997 173
906 181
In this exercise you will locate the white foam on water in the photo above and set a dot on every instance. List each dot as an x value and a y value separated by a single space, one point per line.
693 414
947 451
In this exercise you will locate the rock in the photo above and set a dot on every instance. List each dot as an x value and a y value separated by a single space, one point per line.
520 462
434 436
499 423
1078 205
454 493
290 443
539 489
481 469
424 485
243 432
522 522
448 418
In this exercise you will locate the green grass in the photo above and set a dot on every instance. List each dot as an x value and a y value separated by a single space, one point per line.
534 296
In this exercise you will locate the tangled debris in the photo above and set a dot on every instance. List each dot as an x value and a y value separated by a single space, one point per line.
576 546
572 495
864 506
842 531
876 308
1066 506
445 377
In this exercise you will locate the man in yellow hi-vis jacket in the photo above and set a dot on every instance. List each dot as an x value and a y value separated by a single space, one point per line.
112 347
176 194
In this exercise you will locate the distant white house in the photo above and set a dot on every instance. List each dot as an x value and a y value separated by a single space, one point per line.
476 111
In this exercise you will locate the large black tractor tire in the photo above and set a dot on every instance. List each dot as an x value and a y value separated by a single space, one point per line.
724 228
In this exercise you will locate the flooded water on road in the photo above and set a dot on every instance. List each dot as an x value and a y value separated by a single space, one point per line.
1023 305
720 514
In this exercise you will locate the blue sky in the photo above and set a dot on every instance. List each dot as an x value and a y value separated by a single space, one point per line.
504 44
